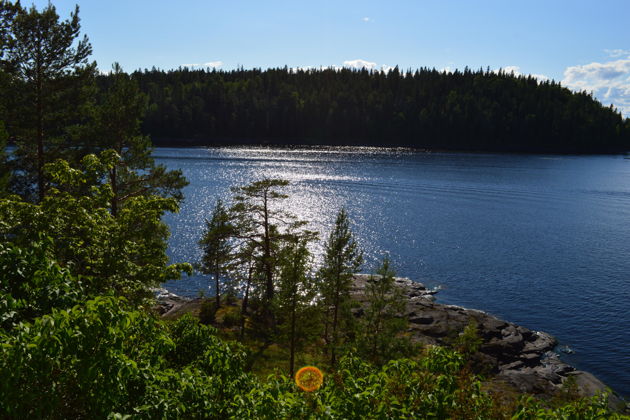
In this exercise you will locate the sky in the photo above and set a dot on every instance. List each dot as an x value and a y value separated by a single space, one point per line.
585 45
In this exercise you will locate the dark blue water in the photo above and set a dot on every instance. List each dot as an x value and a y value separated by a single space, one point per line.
542 241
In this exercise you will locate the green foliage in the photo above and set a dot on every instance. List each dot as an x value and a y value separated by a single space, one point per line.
382 324
117 127
31 284
468 341
50 90
102 358
257 220
231 318
295 300
125 254
217 245
4 165
208 312
342 259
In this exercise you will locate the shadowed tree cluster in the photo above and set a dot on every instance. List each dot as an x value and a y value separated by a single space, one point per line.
425 108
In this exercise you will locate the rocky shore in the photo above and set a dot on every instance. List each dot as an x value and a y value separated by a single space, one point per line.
509 354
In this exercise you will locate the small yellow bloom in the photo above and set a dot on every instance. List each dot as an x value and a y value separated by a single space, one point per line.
309 378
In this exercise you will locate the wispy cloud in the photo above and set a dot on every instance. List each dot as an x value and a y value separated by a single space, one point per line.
210 64
367 19
608 81
616 53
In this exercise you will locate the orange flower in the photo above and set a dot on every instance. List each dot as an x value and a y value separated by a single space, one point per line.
309 378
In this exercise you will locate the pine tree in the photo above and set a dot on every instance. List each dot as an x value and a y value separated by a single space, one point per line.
51 77
257 220
118 128
342 260
217 247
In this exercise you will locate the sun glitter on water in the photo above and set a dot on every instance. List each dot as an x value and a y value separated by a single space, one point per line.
309 378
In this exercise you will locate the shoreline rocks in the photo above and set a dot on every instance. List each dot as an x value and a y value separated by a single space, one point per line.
511 354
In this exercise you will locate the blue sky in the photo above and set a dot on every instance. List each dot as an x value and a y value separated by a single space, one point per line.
583 44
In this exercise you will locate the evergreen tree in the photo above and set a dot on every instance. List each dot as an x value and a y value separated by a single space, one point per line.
7 13
217 247
4 167
51 75
118 128
257 220
296 292
342 260
382 322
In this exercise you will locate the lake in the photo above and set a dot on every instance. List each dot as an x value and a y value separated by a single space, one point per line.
542 241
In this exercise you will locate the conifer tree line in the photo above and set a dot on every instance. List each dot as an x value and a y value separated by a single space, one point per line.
477 110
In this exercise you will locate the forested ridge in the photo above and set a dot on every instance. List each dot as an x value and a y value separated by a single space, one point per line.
473 110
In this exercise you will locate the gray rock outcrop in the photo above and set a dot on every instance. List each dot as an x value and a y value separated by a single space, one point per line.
512 354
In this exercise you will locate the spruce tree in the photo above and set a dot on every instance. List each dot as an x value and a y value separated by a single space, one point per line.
383 322
296 292
342 260
217 247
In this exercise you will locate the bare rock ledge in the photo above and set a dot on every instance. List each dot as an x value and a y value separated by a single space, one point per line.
511 354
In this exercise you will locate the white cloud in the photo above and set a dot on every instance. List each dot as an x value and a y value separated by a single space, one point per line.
608 81
512 69
616 53
359 64
540 77
214 64
210 64
366 19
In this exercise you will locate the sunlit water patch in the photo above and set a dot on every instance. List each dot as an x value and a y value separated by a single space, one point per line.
542 241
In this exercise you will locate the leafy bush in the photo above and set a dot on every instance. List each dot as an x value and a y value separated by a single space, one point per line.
31 284
125 253
102 358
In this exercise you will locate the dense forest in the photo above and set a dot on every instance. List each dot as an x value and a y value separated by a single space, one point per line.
83 244
469 110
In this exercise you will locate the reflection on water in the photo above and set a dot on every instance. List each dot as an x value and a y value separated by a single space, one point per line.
538 240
